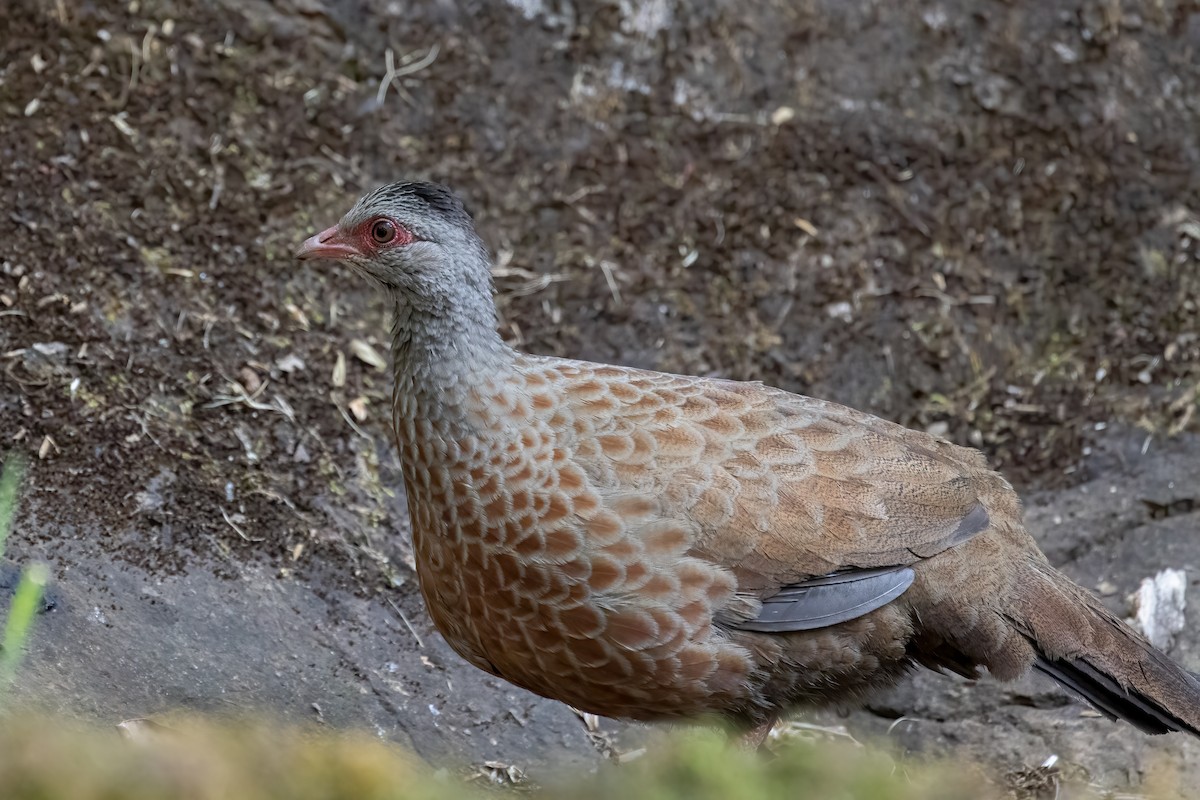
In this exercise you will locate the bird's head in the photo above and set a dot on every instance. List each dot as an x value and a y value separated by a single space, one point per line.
413 237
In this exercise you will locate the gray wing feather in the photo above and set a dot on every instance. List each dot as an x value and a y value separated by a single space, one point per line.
828 600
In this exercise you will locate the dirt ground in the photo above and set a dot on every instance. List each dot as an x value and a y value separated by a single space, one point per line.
980 218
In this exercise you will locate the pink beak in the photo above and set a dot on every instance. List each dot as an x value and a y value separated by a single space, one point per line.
327 244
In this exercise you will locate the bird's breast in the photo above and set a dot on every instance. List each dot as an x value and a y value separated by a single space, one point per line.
533 574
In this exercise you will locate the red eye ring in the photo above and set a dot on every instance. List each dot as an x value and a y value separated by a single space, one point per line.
383 231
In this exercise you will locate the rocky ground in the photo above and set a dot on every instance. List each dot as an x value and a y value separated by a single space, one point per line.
977 218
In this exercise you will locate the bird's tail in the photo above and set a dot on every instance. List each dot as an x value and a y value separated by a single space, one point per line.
1080 644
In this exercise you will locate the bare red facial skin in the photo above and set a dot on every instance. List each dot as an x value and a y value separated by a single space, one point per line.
369 238
383 232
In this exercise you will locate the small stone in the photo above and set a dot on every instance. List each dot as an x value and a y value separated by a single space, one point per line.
939 428
994 92
1158 607
250 380
290 363
842 310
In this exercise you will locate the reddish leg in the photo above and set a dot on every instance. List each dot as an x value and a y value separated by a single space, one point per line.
754 737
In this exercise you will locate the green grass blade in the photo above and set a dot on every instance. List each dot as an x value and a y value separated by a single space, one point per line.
10 479
20 620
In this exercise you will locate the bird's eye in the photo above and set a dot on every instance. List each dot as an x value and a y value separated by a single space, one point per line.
383 231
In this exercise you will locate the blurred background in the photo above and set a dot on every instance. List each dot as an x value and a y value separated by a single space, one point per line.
976 218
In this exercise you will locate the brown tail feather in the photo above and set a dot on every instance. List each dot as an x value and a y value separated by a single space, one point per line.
1084 647
1114 702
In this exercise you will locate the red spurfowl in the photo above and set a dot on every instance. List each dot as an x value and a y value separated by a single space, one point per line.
653 546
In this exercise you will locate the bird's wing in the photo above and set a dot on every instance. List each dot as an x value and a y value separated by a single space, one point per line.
779 488
820 602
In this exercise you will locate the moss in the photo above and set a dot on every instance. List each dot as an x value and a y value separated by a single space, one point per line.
201 759
42 759
705 767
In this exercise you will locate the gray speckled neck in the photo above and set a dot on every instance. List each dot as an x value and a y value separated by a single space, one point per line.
443 344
